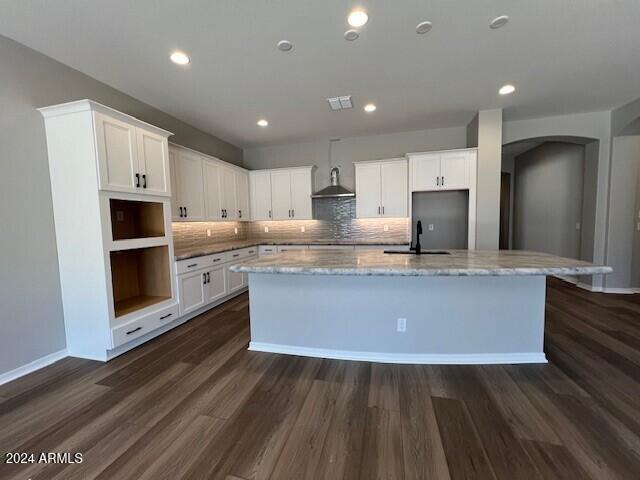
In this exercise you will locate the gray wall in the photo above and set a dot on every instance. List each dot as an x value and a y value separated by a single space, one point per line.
353 149
548 199
448 212
31 322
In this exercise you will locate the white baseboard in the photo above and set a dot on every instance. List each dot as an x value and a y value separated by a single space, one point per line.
621 291
32 366
589 288
404 358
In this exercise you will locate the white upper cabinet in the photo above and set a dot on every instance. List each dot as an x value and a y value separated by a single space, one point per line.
260 194
455 170
206 188
131 158
281 194
301 194
117 156
394 194
368 188
242 196
153 162
211 174
425 172
381 189
449 170
228 194
189 196
291 193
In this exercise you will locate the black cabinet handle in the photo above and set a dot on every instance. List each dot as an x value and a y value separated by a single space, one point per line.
216 260
192 265
443 181
239 213
204 278
166 316
269 213
236 255
293 213
378 210
181 215
185 212
438 181
144 180
134 330
383 209
208 277
137 180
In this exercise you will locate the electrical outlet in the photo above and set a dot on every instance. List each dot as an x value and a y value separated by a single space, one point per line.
120 216
302 229
402 324
266 229
385 228
578 226
235 230
639 226
431 227
208 232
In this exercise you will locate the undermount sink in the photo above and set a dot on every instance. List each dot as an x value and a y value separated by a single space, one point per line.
413 252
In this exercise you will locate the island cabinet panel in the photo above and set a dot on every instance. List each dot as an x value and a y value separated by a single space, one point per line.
381 189
260 195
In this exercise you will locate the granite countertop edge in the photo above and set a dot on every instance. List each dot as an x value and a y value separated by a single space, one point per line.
423 272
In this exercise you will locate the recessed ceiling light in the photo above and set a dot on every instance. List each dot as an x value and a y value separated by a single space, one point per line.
370 107
179 58
285 45
351 35
357 18
498 22
507 89
263 123
424 27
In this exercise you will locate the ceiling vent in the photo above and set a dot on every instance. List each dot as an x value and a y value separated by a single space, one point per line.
340 103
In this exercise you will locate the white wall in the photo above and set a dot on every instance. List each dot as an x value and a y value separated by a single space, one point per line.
31 322
548 199
352 149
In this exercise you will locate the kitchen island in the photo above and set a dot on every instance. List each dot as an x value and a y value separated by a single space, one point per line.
463 307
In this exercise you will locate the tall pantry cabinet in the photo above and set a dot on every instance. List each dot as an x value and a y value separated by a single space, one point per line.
111 192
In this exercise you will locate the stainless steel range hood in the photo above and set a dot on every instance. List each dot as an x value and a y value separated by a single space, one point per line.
334 190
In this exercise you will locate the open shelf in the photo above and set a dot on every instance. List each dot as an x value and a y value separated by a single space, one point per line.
136 219
140 277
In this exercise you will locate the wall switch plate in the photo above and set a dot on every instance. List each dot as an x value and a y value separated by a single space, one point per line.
266 229
578 226
208 232
385 228
302 229
402 324
431 227
235 230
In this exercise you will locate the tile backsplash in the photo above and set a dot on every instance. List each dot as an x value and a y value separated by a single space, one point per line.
334 219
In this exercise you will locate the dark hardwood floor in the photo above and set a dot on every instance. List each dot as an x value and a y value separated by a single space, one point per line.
194 403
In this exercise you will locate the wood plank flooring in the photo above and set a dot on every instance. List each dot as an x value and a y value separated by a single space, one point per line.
194 403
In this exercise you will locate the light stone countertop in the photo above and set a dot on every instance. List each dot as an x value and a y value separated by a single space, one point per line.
219 247
459 263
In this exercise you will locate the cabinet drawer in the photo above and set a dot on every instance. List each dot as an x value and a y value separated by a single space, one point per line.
289 248
267 249
141 326
193 264
242 253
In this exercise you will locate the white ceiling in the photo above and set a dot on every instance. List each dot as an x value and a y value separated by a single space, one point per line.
562 55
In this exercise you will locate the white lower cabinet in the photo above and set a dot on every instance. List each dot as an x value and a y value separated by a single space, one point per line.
208 279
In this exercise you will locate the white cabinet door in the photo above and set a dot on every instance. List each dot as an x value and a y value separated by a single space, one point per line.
368 190
425 172
395 197
281 195
242 196
117 154
454 170
216 286
190 185
260 194
301 195
211 173
228 194
191 290
153 163
176 212
235 280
